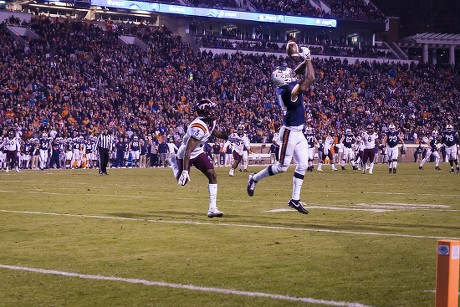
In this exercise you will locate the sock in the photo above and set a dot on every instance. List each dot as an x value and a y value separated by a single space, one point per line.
212 188
262 174
297 185
395 163
371 167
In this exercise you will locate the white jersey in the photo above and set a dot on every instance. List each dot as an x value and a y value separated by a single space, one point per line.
200 131
369 140
359 145
172 147
238 142
328 142
11 145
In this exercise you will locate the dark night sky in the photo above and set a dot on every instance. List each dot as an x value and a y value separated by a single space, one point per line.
418 16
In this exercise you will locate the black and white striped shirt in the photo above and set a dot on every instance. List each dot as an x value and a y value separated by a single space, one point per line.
104 141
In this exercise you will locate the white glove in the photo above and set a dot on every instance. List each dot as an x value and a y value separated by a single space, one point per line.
305 53
184 178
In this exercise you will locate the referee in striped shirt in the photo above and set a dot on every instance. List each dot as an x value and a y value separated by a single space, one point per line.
104 145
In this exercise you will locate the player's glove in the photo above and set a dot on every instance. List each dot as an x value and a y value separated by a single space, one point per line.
184 178
305 53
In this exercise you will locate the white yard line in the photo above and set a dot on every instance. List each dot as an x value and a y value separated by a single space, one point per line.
185 287
407 193
218 224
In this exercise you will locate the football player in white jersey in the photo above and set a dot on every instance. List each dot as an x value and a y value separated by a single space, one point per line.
327 152
347 141
2 155
191 151
432 149
370 138
240 140
391 141
11 146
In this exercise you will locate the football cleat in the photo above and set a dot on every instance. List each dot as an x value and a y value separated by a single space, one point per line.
437 168
231 172
394 171
420 167
298 205
389 170
215 213
251 185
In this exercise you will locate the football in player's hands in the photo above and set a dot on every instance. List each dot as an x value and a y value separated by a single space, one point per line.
292 49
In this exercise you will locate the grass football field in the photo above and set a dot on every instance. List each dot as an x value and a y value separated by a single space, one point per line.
135 238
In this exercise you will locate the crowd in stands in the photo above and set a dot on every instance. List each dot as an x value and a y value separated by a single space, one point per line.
354 9
260 45
79 78
339 9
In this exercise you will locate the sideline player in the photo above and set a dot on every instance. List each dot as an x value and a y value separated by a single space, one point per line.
191 151
293 143
312 142
11 146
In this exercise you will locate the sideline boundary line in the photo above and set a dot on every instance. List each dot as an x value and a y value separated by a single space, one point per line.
185 287
230 225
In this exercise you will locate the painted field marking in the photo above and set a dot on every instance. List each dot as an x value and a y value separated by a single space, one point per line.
376 207
406 193
332 208
185 287
231 225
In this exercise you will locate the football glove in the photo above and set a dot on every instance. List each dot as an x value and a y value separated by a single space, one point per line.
184 178
305 53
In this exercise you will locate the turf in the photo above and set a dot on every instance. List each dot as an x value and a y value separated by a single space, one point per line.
368 239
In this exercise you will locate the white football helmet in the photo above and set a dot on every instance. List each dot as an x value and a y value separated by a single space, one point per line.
434 133
309 130
348 131
282 75
391 127
449 128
